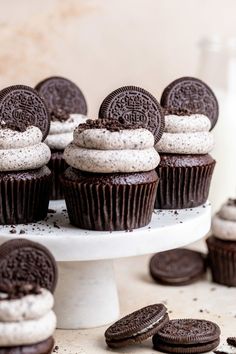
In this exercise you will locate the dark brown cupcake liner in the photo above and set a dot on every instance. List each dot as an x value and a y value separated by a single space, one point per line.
109 207
183 187
57 166
24 196
222 261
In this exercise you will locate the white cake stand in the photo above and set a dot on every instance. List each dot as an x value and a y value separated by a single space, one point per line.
86 295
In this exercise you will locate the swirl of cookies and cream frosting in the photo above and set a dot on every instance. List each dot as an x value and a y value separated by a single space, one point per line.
61 131
22 150
105 147
224 222
186 134
26 319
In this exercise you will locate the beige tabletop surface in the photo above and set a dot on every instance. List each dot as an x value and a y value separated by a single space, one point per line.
136 289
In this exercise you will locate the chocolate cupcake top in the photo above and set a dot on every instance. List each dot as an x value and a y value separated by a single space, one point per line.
28 317
107 146
186 133
224 222
67 107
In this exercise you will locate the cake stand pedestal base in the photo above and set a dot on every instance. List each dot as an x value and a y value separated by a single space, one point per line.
86 294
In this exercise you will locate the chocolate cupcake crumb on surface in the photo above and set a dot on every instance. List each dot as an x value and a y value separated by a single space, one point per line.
68 108
185 181
23 156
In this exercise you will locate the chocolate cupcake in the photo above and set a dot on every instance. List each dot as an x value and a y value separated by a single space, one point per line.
111 182
222 245
25 180
68 109
27 322
186 167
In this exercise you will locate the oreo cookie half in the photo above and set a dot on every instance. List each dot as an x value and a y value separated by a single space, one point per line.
24 261
177 267
193 95
187 336
21 106
44 347
137 326
62 96
136 106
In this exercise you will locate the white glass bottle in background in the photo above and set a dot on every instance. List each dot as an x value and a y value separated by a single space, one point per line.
217 67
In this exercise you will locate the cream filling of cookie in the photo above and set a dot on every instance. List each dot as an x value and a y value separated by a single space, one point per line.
151 326
22 150
186 135
61 133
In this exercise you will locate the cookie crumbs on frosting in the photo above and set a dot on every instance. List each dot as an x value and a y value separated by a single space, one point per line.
59 114
179 111
18 290
19 127
113 125
231 202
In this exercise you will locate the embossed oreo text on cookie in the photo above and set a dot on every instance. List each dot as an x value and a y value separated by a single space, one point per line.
62 95
193 95
21 107
135 106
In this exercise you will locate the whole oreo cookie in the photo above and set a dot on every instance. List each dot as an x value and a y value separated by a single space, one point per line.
134 105
137 326
187 336
189 93
24 261
22 106
177 267
62 97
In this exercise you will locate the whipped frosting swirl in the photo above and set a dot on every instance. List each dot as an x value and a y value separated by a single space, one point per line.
224 222
27 320
61 132
186 135
105 151
22 150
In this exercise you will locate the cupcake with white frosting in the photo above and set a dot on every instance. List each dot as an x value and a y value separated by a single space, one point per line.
27 321
222 245
25 180
67 106
186 168
111 182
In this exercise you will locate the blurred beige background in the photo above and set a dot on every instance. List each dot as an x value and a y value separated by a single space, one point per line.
102 44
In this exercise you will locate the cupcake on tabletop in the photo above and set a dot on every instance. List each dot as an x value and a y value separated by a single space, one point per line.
111 182
27 321
25 180
67 107
186 167
222 245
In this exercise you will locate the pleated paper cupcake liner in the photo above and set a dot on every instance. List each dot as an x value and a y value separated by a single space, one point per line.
57 166
24 196
222 261
109 207
183 187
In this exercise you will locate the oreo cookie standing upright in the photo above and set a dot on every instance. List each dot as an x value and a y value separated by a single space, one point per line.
137 326
25 180
186 167
68 108
134 105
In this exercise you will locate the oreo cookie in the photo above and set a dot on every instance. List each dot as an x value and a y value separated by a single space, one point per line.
137 327
20 107
193 95
44 347
134 105
62 97
177 267
24 261
187 336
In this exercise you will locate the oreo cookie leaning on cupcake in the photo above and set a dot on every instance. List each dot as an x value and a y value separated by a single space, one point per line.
186 168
